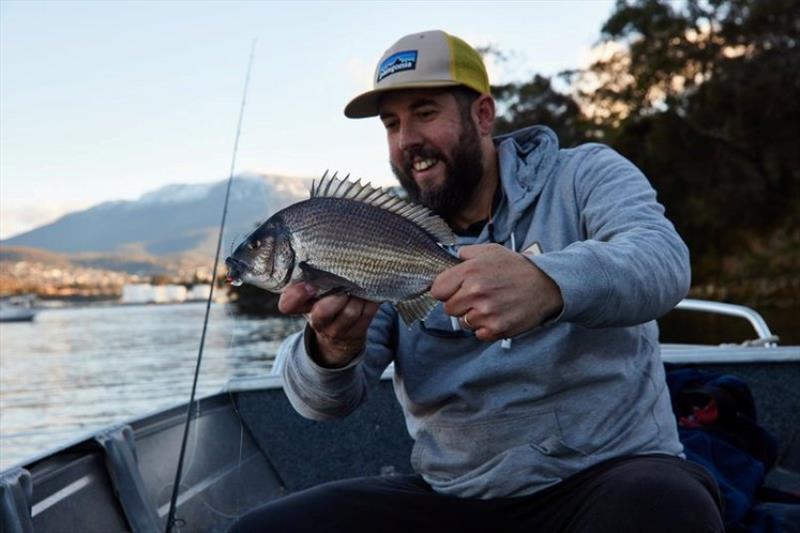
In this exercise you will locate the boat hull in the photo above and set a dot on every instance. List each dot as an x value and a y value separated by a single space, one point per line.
248 446
17 315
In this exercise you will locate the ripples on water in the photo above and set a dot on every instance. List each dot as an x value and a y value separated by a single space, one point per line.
78 369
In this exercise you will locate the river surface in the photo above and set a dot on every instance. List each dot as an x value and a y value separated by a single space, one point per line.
74 370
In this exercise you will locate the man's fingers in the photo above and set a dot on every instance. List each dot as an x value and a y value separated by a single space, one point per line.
296 299
447 283
367 314
474 250
450 281
353 319
459 304
347 317
324 311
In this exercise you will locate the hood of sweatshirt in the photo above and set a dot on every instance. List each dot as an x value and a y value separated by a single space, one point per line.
529 158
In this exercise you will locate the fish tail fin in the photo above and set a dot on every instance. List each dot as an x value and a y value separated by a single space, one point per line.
416 308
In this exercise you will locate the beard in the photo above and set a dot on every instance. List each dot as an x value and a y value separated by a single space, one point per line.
463 174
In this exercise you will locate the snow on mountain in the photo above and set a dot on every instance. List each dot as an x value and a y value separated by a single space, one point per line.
177 218
178 193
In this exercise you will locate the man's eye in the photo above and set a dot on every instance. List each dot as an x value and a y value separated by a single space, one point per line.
390 124
426 113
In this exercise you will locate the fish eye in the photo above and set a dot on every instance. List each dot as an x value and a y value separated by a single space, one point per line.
254 245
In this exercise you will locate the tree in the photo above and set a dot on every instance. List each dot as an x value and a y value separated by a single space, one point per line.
705 98
537 102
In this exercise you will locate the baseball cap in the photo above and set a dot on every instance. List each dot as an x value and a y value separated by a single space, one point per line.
422 60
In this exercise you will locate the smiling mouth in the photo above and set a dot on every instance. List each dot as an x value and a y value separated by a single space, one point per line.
421 165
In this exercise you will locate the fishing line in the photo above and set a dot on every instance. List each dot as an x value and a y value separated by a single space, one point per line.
190 408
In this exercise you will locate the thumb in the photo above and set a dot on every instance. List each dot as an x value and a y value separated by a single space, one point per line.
473 250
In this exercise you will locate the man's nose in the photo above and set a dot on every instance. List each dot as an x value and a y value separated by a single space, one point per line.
409 138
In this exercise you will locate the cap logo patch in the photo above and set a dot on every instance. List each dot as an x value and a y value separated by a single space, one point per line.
398 63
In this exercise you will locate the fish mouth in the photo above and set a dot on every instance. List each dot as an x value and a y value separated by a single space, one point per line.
235 269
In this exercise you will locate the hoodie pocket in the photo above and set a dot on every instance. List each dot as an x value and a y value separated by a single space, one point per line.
556 446
446 451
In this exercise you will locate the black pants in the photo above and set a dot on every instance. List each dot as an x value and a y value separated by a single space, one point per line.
644 494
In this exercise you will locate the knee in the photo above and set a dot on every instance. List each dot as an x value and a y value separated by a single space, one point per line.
277 514
665 499
299 511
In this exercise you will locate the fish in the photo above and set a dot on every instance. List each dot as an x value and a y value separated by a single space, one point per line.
350 238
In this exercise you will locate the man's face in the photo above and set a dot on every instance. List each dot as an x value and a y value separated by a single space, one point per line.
434 148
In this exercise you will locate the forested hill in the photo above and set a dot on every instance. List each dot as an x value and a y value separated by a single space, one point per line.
705 98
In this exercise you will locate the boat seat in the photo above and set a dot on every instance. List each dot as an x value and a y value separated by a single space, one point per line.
16 494
122 464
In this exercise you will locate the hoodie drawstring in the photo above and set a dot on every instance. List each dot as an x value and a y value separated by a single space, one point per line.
506 343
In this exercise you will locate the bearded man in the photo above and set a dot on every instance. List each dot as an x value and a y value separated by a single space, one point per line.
535 392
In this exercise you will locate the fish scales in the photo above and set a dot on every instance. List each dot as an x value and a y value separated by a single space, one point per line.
353 238
385 254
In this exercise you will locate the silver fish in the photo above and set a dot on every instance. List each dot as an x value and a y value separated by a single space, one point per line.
350 238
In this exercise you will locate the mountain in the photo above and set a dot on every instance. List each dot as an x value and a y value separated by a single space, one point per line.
176 220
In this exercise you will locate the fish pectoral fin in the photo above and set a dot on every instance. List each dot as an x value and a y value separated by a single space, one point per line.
416 308
326 282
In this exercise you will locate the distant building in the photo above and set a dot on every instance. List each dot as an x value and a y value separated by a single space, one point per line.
139 293
170 293
199 292
144 293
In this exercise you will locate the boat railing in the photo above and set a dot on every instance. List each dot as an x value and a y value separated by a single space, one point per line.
765 336
766 339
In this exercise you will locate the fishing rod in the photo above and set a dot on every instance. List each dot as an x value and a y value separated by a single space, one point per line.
190 408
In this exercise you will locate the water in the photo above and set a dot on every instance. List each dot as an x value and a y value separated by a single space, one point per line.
74 370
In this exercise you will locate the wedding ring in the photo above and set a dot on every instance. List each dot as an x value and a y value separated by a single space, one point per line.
466 321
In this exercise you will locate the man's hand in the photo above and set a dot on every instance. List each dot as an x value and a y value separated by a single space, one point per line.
497 292
339 321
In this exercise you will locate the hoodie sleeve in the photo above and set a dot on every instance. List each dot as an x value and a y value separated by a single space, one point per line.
632 266
322 393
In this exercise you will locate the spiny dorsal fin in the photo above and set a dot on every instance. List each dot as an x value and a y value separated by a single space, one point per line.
334 187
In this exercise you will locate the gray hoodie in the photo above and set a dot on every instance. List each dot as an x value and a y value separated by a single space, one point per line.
510 418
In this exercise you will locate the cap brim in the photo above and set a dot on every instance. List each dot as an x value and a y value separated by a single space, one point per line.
366 105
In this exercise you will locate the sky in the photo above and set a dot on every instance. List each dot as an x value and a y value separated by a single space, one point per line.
109 100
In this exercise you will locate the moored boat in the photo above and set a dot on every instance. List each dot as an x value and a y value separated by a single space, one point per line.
17 309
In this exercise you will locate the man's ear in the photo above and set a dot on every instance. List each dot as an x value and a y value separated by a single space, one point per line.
483 110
